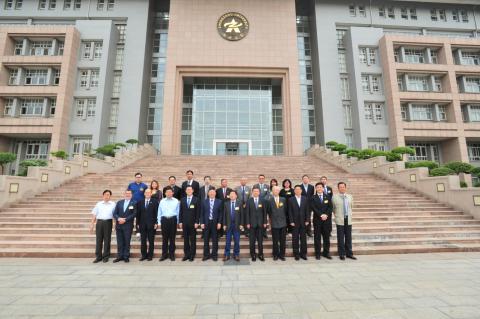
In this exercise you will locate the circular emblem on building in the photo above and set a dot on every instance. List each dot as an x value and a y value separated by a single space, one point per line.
233 26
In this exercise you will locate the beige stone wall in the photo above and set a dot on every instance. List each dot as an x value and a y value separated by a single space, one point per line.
195 48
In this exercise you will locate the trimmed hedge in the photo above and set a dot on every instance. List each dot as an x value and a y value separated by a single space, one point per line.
430 164
460 167
442 171
26 163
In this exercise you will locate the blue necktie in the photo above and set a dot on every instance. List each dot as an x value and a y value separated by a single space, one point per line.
188 202
232 213
211 210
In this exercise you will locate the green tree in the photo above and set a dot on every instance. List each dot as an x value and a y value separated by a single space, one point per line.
6 158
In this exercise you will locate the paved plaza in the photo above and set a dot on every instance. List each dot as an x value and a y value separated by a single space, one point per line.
425 286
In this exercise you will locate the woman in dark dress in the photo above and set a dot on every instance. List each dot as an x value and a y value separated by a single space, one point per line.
156 191
287 192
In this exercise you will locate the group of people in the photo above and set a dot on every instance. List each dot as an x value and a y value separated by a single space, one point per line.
224 211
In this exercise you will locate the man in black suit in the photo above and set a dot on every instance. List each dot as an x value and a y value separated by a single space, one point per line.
308 191
147 210
233 224
322 208
256 222
190 182
277 212
124 214
223 193
211 218
327 190
203 192
298 215
189 216
177 191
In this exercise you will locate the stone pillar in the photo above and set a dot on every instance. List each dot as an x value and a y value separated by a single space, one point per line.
45 107
25 46
428 57
402 54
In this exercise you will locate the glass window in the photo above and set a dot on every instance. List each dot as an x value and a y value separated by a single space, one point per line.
347 115
414 56
472 85
352 10
422 112
41 48
417 83
31 107
13 78
473 151
36 77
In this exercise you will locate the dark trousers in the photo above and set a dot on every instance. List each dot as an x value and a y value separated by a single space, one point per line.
256 235
299 240
169 231
189 240
210 233
147 233
124 236
279 236
322 229
344 239
103 234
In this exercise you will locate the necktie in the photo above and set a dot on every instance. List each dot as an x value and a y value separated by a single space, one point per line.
232 212
345 205
146 203
256 203
211 210
321 198
243 193
325 190
188 201
276 201
224 193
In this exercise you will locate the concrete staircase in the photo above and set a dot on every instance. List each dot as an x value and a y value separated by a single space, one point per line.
387 218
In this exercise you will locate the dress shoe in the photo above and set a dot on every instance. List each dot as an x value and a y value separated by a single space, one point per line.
185 258
317 257
327 256
214 258
172 258
205 258
297 257
191 259
342 257
303 257
149 258
282 258
261 258
254 258
96 261
105 260
237 258
127 260
163 258
226 258
352 257
143 258
116 260
275 258
265 236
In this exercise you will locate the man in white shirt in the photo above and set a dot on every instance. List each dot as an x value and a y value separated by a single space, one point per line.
102 215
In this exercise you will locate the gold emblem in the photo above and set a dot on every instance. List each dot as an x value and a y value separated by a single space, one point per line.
233 26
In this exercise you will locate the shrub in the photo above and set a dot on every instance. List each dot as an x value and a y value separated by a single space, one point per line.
477 184
404 150
430 164
60 154
26 163
442 171
476 171
351 152
131 141
6 158
460 167
393 157
339 148
365 154
463 184
331 144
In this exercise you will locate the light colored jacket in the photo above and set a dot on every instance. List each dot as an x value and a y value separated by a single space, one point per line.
248 192
339 211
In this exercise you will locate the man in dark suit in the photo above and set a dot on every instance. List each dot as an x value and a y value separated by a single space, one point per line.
203 192
322 208
327 190
298 215
189 216
190 182
223 193
256 222
177 191
233 224
147 210
124 214
308 191
211 218
277 212
264 191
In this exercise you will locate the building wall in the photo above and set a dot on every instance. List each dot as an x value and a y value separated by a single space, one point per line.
196 48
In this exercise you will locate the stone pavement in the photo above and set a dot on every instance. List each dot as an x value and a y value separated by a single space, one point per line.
426 286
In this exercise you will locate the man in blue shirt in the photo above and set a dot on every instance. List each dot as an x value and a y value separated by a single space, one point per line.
138 188
168 212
